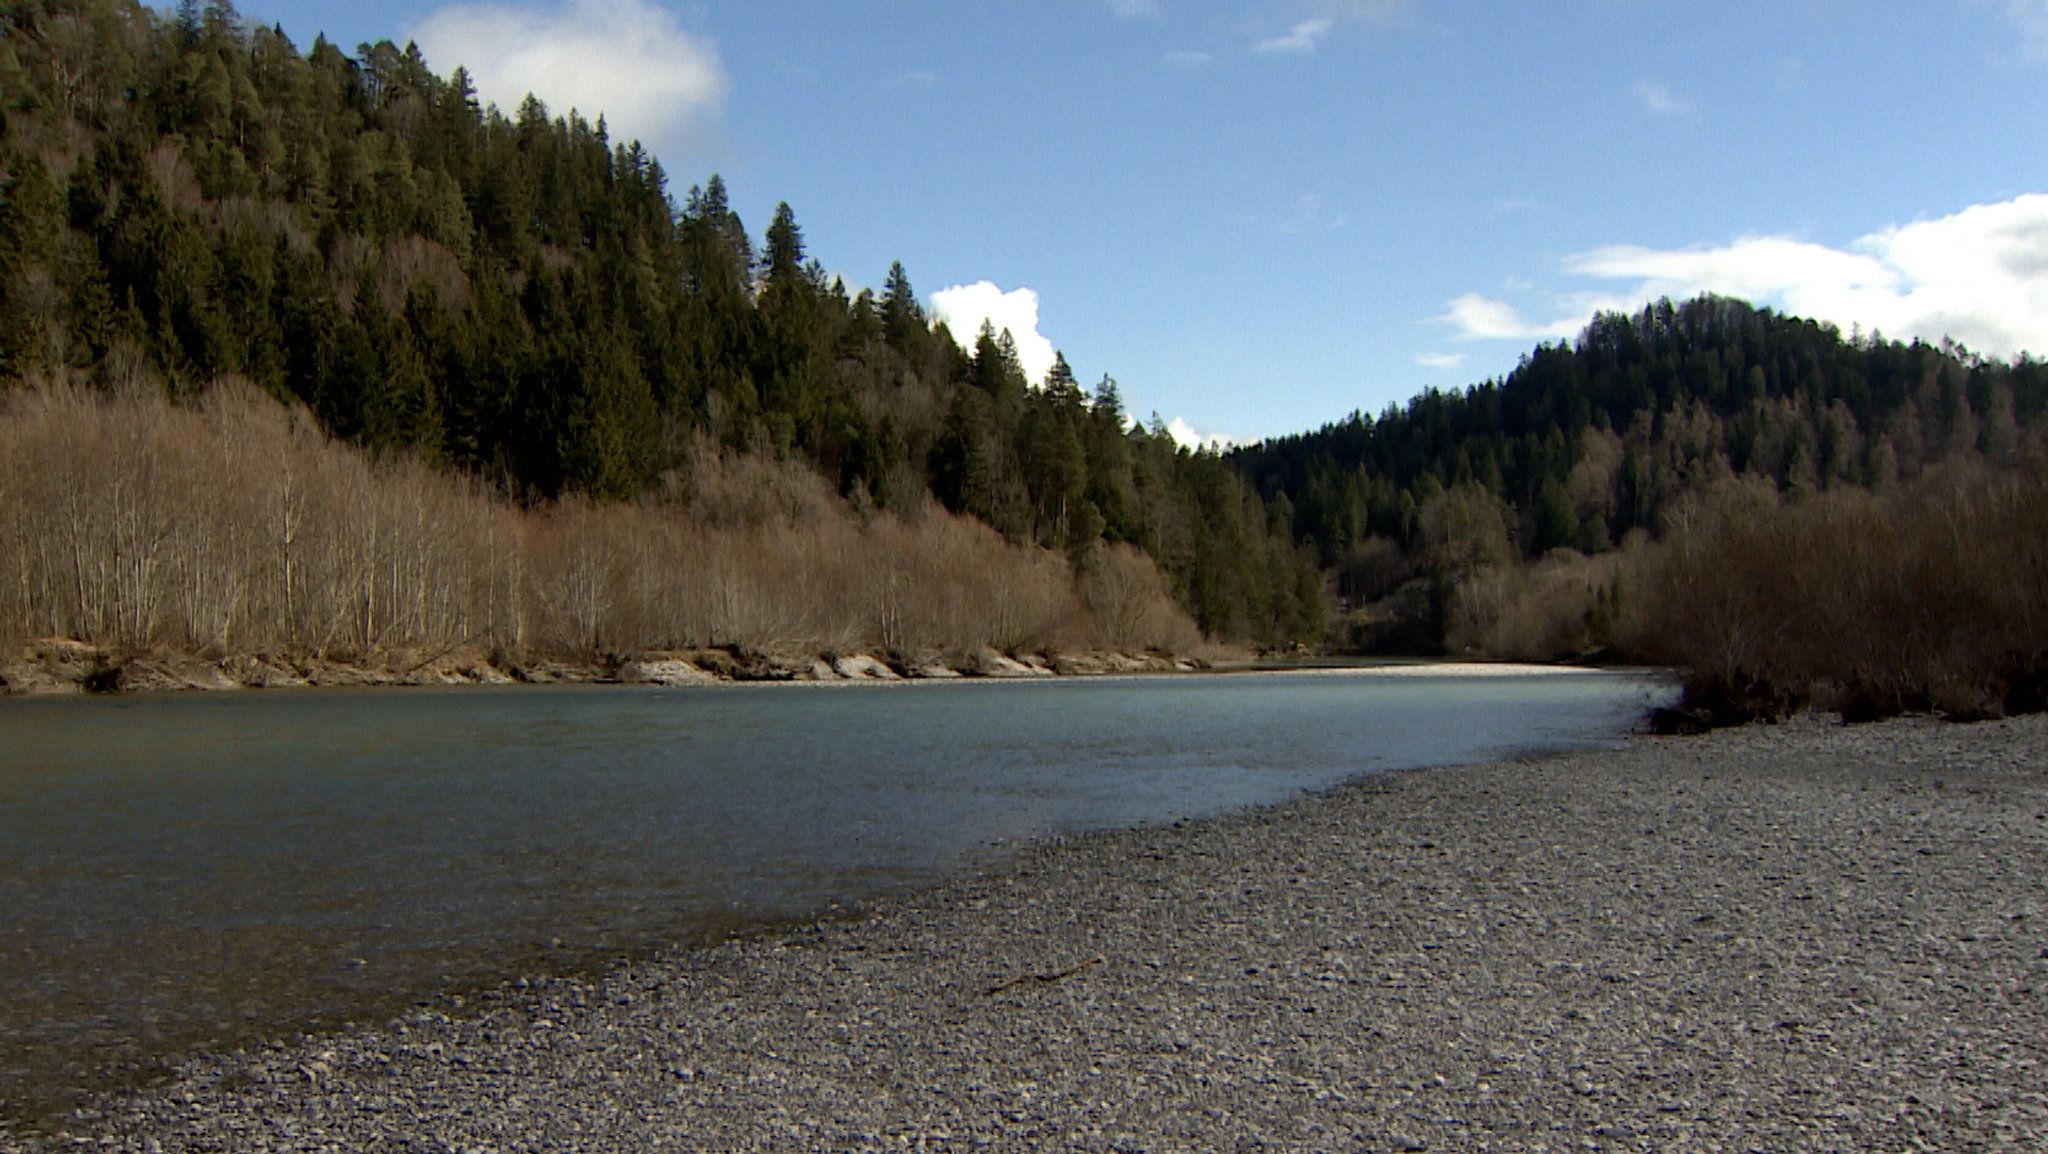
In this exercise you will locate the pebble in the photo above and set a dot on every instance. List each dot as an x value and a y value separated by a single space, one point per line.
1721 942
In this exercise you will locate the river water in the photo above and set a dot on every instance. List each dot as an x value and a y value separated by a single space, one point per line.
198 871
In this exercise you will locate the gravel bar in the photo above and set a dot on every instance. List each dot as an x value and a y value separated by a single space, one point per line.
1791 937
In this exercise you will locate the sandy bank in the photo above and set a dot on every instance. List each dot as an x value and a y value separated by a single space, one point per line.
1791 937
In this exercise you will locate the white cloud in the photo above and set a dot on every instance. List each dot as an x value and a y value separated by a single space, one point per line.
1659 100
1188 436
1482 318
1324 16
1443 362
1979 276
1764 267
1299 39
1135 9
627 60
965 307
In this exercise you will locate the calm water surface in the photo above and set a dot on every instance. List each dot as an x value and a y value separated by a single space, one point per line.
196 871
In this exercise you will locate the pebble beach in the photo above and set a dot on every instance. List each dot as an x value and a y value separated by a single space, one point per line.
1791 937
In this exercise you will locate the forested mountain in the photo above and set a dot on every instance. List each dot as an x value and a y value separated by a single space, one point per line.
1588 441
193 208
520 298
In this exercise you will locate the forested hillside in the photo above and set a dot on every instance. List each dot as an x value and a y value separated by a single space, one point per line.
1588 440
513 296
1791 513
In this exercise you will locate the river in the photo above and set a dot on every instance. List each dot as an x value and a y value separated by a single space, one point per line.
197 871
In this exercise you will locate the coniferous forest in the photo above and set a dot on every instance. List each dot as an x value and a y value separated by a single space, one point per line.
1793 514
305 348
519 302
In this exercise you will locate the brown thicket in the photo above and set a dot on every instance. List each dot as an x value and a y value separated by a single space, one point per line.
1932 595
1559 607
235 525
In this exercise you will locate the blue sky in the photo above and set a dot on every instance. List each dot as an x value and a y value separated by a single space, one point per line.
1260 215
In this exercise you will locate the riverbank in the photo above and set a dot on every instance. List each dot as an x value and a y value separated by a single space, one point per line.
62 666
1789 937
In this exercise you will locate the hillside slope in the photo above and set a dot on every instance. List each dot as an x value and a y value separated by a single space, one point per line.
519 298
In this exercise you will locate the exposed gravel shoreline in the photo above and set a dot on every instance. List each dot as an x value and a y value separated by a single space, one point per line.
56 667
1775 938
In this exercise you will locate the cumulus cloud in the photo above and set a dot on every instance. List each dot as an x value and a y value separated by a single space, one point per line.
1302 38
965 307
1659 100
627 60
1979 276
1189 436
1478 317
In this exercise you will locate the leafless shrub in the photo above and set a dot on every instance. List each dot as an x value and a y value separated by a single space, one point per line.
730 490
235 525
1932 595
414 261
350 255
266 218
1129 604
1557 608
173 175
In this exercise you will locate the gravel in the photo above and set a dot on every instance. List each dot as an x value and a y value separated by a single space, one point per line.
1789 937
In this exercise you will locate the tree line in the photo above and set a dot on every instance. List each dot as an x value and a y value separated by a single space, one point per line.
1591 443
520 299
1793 515
233 525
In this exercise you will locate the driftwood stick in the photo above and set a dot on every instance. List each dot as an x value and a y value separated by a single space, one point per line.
1047 979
